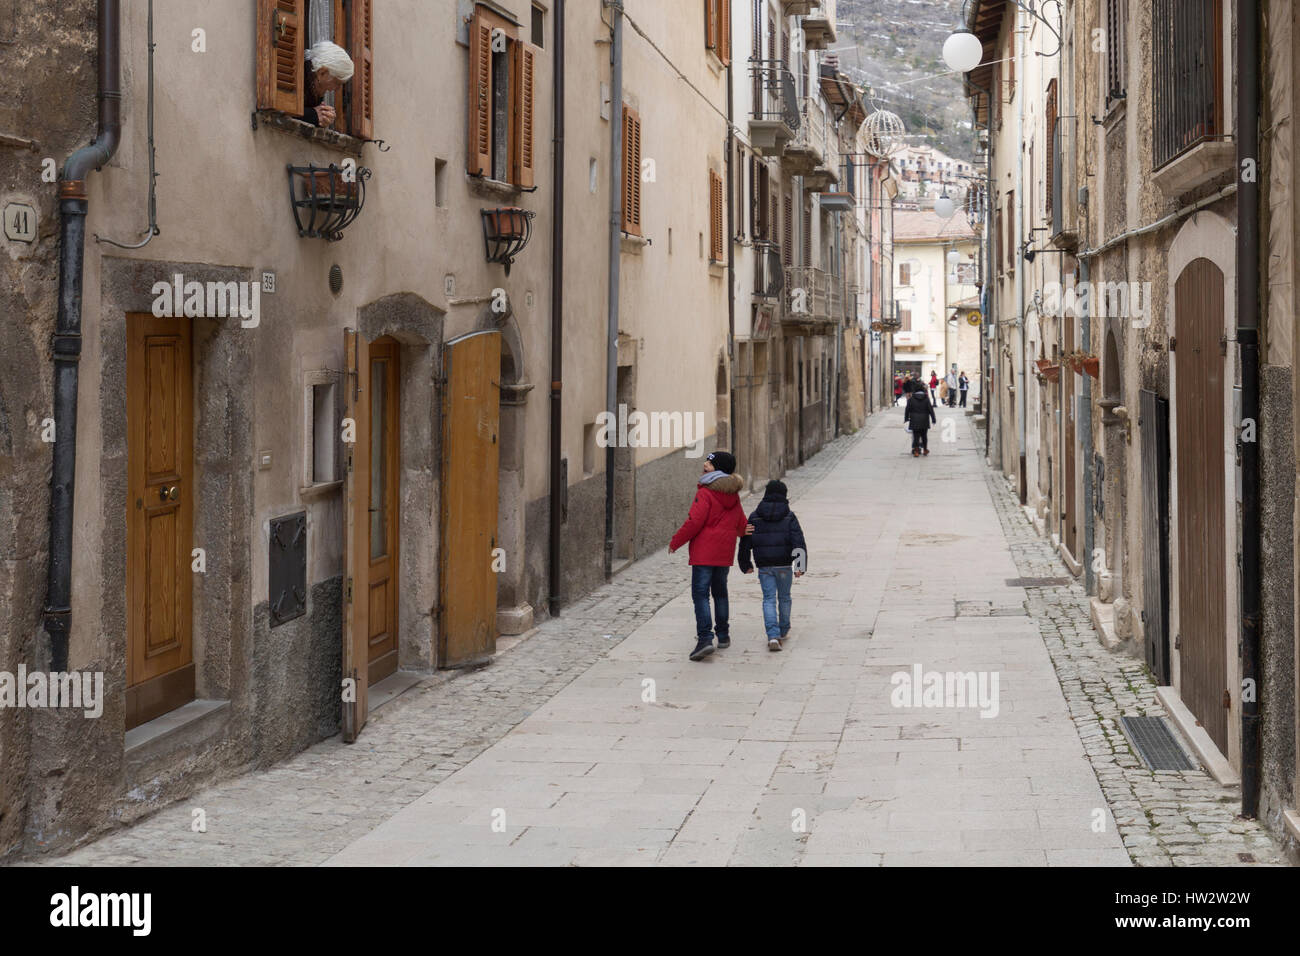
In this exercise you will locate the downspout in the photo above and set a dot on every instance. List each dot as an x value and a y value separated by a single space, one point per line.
1019 366
557 310
1085 426
66 344
615 246
1248 55
731 268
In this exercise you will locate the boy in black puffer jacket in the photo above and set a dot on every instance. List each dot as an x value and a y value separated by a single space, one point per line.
777 545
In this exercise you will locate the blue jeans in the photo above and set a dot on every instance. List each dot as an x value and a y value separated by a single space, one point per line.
776 598
708 579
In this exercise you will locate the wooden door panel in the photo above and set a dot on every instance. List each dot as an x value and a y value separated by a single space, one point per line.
1202 562
356 535
384 544
471 409
160 515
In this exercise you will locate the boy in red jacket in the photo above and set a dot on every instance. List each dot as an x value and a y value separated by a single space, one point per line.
715 523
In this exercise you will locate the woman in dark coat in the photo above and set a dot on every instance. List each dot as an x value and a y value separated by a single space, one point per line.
919 413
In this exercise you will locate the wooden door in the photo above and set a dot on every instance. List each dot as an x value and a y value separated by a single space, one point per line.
470 454
384 541
160 516
356 534
1202 562
1154 425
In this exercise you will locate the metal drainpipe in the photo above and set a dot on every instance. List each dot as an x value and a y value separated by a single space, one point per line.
1248 55
73 205
731 272
1085 426
557 310
1020 284
615 250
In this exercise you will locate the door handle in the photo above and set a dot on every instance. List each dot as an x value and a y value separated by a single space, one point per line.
166 494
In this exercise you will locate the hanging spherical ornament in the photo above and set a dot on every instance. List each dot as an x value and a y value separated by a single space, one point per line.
884 133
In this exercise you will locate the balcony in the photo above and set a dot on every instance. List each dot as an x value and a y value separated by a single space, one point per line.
815 300
775 119
799 8
769 274
819 26
1190 143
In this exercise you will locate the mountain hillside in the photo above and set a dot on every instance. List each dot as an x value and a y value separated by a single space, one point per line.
894 48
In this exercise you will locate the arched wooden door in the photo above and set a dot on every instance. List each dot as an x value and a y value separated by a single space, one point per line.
1202 562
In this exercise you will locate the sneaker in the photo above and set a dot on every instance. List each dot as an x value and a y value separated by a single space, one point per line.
702 650
927 451
724 643
774 645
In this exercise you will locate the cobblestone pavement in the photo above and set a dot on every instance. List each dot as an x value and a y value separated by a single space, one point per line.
1165 818
307 808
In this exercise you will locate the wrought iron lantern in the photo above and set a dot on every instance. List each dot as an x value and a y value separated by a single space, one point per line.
326 199
506 231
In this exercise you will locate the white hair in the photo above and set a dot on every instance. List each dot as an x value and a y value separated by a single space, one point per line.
330 56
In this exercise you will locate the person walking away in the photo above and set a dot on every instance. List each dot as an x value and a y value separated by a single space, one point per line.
778 548
714 525
963 386
898 388
951 382
934 383
919 413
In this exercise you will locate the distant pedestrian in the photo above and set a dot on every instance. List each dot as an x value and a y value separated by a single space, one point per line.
934 383
919 413
715 522
951 382
898 387
963 386
778 548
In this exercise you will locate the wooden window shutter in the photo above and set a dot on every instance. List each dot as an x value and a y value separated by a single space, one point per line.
1051 147
724 31
363 83
711 12
281 72
1011 231
787 231
525 81
479 160
631 171
716 226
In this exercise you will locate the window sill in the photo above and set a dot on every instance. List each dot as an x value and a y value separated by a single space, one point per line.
329 138
717 269
633 244
1196 167
320 490
493 188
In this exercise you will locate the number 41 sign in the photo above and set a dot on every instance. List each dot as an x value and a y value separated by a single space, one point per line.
20 222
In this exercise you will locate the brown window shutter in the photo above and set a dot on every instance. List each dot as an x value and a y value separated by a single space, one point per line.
724 31
281 72
1051 147
711 24
363 83
525 81
479 160
716 244
787 231
631 171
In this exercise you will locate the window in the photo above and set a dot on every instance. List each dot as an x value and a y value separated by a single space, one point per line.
1187 75
1053 161
320 428
787 231
286 28
440 183
539 27
1116 40
905 316
588 450
717 225
717 28
502 86
904 274
1012 252
631 171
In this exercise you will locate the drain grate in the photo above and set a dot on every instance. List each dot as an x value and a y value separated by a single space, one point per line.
1155 743
1039 582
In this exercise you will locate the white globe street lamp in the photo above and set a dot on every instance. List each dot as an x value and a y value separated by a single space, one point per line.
962 51
954 257
944 207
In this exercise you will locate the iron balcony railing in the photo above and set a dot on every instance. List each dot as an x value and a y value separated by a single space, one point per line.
812 132
810 294
774 93
1187 75
769 275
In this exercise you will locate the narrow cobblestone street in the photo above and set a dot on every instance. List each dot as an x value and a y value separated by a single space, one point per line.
595 741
